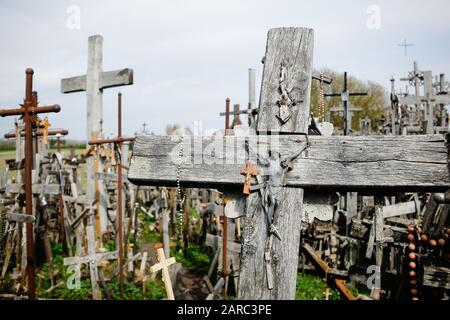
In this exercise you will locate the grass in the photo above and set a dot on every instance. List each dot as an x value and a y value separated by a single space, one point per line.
6 155
312 287
154 290
194 259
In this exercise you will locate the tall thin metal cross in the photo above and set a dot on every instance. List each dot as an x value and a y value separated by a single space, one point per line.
405 44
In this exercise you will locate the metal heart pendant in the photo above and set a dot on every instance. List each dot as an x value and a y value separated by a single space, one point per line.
325 128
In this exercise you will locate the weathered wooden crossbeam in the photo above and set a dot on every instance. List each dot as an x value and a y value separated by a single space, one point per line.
39 133
108 79
37 188
111 255
362 163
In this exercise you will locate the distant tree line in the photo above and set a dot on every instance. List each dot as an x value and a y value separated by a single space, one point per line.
374 105
9 144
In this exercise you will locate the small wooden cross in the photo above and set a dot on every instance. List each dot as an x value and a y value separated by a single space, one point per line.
327 294
163 265
249 171
92 259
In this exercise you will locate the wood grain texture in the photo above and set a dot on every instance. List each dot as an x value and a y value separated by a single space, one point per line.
364 163
73 84
294 48
116 78
291 47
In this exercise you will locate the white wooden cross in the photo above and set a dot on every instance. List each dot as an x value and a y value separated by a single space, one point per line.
163 265
93 82
92 258
327 294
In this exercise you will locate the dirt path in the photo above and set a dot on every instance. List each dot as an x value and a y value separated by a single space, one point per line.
191 286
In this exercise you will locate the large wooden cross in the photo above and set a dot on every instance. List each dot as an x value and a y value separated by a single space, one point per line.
338 163
93 82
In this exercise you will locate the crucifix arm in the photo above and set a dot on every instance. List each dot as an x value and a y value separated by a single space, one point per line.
20 111
116 78
74 84
108 79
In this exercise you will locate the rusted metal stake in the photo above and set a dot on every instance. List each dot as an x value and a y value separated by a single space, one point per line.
28 187
225 219
58 143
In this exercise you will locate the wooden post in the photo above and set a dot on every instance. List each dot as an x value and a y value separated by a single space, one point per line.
251 95
236 118
119 197
165 222
289 48
227 115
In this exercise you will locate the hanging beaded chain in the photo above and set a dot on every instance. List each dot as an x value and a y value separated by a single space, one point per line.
180 196
321 100
412 257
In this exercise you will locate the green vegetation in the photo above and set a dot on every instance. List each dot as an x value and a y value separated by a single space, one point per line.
154 290
150 236
110 245
311 287
373 104
194 259
193 213
5 155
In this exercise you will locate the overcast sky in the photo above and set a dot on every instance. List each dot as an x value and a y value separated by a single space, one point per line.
189 55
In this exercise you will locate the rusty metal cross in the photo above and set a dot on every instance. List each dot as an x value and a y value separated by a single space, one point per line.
29 109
